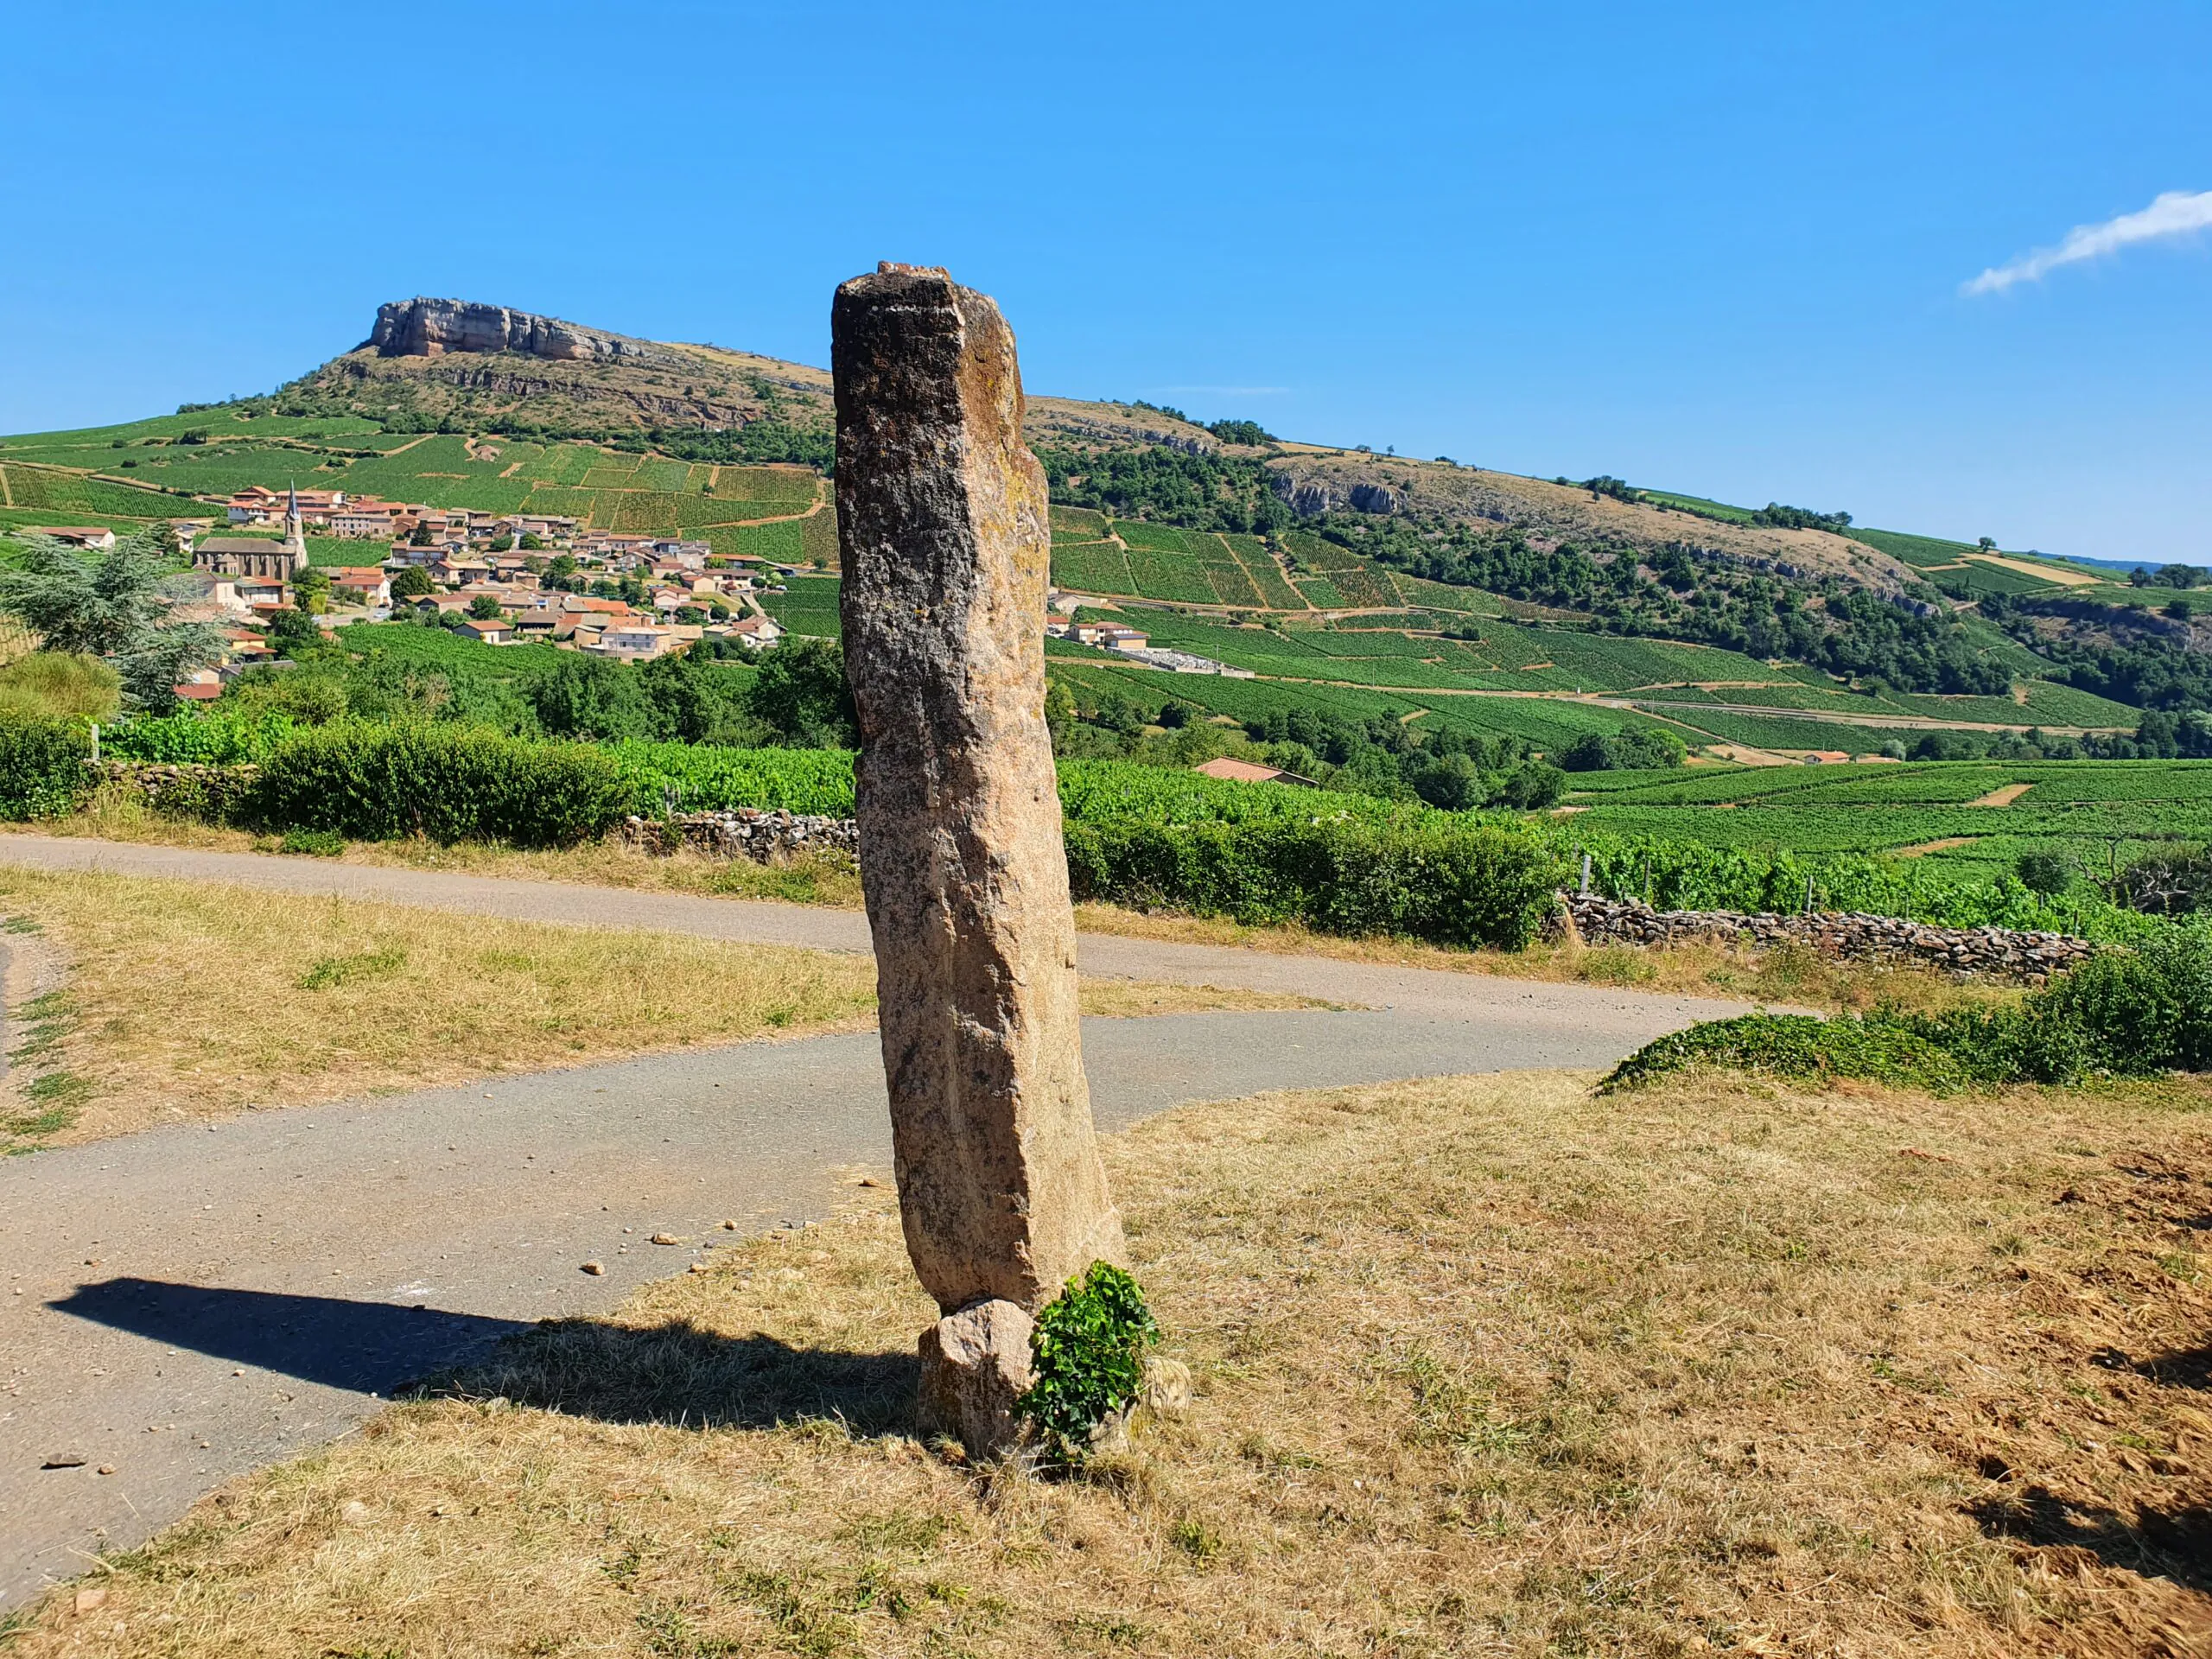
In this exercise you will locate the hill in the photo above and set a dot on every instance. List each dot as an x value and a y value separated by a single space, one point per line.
1334 574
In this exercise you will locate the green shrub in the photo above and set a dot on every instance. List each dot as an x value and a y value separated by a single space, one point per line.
60 684
1800 1047
1088 1354
42 766
229 738
379 783
1427 877
2122 1014
316 844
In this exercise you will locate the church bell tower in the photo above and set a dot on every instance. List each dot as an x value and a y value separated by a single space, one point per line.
296 541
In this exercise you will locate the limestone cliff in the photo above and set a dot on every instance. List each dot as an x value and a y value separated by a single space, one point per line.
428 328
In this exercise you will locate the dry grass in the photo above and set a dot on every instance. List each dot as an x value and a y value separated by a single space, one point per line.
1792 976
191 1001
115 813
1708 1369
1789 974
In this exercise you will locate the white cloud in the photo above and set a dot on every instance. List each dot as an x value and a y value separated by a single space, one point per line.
2176 213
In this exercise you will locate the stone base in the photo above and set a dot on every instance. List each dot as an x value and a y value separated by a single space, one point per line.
974 1366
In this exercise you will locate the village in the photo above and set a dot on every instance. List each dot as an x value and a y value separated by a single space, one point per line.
499 579
504 579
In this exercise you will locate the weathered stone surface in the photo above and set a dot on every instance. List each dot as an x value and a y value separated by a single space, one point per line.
974 1366
945 542
428 328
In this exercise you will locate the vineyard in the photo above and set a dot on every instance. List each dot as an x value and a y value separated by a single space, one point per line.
2095 816
632 494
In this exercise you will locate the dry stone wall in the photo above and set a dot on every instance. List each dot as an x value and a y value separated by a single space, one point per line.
765 837
182 789
1995 951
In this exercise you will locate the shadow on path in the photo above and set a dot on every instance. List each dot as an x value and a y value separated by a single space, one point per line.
676 1373
325 1339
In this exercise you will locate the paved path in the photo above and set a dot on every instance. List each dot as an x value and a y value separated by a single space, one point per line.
190 1302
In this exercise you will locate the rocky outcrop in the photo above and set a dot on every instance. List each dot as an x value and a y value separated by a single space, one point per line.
941 523
428 328
1997 952
766 837
1307 499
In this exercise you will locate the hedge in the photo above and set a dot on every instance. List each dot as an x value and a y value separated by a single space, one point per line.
379 783
2125 1013
1450 883
42 766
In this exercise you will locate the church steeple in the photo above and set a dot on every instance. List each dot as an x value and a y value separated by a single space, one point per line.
296 541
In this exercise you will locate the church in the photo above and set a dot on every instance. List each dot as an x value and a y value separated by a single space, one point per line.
247 556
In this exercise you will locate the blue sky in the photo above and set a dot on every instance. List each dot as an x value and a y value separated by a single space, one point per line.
1724 249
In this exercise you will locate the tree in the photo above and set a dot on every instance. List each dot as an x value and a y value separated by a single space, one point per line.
485 608
413 582
422 536
1987 544
110 607
801 692
311 591
531 543
292 634
2043 873
591 696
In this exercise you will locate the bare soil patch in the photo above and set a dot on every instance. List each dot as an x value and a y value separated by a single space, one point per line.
1919 849
2005 796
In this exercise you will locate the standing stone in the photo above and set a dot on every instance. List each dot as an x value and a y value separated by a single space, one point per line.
945 542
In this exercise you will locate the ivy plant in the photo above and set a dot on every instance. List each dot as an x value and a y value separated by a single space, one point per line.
1087 1358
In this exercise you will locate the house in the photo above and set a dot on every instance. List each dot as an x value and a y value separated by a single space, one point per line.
367 517
490 633
1114 637
1825 757
94 535
634 640
253 505
756 633
545 626
366 585
612 608
1232 770
204 595
194 691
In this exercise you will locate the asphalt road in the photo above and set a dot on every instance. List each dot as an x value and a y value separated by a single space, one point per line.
190 1302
